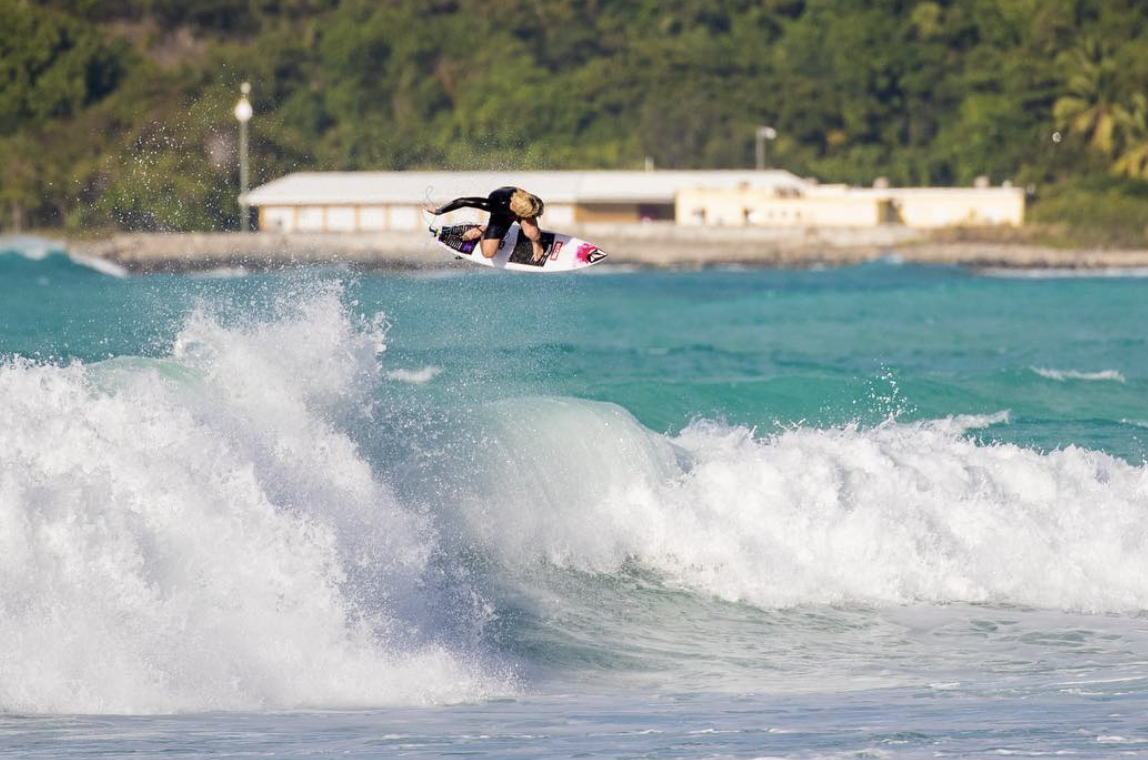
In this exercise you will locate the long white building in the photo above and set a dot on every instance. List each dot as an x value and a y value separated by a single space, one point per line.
376 201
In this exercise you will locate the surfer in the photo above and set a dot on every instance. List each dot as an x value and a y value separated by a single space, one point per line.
506 205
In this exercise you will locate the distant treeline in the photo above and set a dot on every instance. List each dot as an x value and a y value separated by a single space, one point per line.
120 115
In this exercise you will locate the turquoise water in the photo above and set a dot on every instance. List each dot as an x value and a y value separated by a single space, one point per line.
877 511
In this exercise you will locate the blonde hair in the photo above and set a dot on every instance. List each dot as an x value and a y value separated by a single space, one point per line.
525 205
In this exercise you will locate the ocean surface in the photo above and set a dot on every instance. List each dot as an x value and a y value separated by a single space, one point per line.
881 511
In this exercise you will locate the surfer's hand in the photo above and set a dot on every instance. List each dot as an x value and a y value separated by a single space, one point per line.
429 209
472 233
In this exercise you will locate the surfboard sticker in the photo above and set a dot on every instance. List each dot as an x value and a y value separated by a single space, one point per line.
561 253
590 254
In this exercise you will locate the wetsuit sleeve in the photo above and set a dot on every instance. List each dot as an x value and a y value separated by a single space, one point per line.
482 204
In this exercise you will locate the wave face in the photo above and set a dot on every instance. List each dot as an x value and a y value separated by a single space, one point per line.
200 532
896 514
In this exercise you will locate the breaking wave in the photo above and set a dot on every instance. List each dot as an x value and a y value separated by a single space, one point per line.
199 533
895 514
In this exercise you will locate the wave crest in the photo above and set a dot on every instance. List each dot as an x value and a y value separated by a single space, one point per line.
895 514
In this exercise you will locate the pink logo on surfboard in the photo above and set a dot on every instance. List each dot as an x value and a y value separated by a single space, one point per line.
588 253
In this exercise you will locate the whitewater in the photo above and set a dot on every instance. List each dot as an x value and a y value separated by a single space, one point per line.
879 511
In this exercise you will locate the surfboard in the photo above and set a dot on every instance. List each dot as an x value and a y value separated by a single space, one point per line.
563 252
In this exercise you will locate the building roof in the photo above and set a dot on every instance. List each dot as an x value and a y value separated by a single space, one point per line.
339 188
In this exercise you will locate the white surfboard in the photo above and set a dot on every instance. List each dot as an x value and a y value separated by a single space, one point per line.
563 253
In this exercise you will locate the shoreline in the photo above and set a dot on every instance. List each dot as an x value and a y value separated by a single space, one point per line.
650 246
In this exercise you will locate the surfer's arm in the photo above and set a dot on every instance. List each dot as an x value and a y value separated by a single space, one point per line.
482 204
529 227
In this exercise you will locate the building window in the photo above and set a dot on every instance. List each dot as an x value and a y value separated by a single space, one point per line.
311 219
341 219
277 218
372 218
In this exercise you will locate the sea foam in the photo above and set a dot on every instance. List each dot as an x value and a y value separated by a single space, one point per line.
896 514
199 533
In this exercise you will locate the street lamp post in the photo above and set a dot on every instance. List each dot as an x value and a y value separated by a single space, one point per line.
763 134
243 112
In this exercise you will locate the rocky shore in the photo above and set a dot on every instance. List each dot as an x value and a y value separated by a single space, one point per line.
646 246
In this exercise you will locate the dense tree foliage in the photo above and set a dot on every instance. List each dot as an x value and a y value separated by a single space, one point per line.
120 114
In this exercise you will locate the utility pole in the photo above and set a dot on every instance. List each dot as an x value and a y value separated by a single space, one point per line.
763 133
243 112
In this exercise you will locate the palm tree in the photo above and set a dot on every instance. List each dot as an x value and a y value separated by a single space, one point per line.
1133 160
1090 107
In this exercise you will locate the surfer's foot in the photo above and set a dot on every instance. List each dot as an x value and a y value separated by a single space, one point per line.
538 254
472 233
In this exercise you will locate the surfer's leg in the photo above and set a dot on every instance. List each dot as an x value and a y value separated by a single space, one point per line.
496 228
530 229
490 247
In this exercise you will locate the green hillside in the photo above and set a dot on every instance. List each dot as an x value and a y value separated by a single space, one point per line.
119 115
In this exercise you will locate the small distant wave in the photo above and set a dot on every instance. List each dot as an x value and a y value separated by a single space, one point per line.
415 376
962 423
1061 375
103 266
39 249
30 247
1062 274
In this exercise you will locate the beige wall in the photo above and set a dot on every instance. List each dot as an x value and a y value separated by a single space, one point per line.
949 207
742 208
841 206
606 212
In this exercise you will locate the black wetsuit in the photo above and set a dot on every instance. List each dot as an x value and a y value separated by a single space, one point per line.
497 204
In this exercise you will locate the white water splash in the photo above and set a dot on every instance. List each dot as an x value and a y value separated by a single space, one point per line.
196 533
415 376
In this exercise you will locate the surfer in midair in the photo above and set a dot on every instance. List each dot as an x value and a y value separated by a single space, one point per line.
506 205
